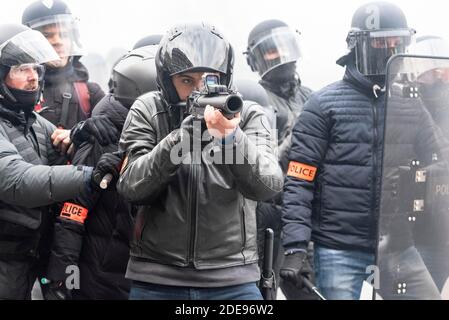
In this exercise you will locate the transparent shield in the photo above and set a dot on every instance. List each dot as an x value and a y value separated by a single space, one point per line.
413 230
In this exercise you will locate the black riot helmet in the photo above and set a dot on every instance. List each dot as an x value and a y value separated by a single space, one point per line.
152 40
134 75
195 47
272 44
22 49
55 20
379 30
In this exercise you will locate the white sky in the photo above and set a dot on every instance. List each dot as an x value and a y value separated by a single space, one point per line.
323 24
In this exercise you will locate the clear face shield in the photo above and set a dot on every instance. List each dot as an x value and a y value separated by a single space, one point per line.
276 47
28 47
22 72
62 33
374 49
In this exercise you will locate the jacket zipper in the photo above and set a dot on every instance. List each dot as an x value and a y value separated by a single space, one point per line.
194 183
375 164
243 227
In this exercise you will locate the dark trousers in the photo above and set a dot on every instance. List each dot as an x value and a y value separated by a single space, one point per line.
17 278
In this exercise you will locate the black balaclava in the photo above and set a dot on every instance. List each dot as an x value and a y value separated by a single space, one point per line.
281 74
25 100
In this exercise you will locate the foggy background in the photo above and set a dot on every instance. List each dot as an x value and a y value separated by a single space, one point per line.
109 27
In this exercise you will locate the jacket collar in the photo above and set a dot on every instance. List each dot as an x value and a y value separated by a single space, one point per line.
360 82
17 119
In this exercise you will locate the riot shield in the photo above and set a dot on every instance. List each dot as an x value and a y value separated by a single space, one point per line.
413 220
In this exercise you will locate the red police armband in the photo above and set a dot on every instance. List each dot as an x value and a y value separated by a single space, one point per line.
74 212
301 171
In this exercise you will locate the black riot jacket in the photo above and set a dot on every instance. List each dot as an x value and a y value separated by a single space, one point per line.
100 247
59 85
287 100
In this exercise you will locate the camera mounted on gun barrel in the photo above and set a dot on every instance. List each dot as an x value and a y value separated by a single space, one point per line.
213 94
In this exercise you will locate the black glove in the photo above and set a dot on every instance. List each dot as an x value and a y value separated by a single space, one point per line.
295 267
109 163
99 128
56 291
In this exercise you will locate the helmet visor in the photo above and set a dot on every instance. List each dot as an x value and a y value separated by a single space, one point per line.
27 47
276 47
374 49
62 32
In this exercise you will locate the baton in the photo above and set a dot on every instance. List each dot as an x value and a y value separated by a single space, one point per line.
312 288
104 184
267 274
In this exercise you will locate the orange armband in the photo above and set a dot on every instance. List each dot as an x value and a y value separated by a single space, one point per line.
301 171
74 212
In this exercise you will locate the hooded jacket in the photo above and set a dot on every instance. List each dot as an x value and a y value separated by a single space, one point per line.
339 137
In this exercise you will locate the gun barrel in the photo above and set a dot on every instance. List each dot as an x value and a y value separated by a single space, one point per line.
230 104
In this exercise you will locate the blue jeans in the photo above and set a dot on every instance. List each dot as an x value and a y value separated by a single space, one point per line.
148 291
339 274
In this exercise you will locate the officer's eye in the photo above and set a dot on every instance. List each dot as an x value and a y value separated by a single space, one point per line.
186 81
64 34
48 34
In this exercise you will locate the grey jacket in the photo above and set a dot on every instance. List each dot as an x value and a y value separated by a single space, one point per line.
288 101
28 183
200 215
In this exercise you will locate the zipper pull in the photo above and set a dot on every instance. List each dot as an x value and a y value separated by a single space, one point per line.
377 88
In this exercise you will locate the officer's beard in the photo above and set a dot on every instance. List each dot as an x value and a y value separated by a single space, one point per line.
435 97
281 74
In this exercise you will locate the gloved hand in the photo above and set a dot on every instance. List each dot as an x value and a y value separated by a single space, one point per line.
99 128
109 163
295 267
55 290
